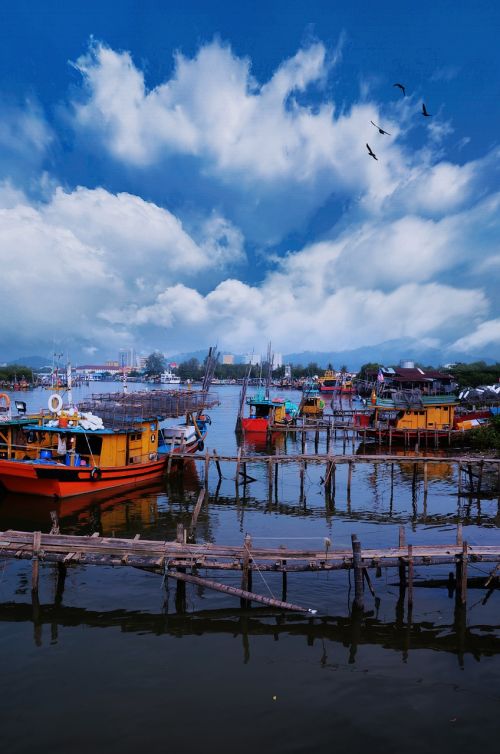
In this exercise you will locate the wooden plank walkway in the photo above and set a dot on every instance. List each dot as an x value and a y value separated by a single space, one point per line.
173 558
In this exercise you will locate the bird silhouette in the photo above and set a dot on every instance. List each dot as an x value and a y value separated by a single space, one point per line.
380 130
371 152
400 86
424 111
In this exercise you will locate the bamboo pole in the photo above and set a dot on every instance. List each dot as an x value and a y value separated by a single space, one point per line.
243 594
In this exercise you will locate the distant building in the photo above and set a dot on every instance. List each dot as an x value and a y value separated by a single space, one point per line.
127 358
228 358
253 358
277 360
93 371
288 371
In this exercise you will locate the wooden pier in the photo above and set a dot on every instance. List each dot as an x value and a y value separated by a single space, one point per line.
470 470
173 559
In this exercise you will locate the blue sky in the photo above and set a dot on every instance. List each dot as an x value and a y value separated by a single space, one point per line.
177 173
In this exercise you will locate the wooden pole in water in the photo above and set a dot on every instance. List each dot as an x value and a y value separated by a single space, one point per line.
410 576
463 575
270 478
328 439
207 463
426 480
301 472
459 534
37 536
276 467
480 478
459 471
197 508
217 463
349 478
238 461
246 596
357 562
402 570
245 566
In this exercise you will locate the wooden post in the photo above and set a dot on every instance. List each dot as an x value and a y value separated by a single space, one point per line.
270 478
276 467
238 461
349 478
390 437
410 576
460 479
197 508
328 439
246 574
316 442
180 538
303 445
357 562
207 464
284 581
463 574
480 478
426 478
37 536
301 472
402 536
217 463
169 464
402 570
471 481
459 534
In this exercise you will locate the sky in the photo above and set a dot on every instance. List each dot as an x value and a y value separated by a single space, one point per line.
176 174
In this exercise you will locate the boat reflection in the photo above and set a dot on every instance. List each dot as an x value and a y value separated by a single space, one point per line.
155 509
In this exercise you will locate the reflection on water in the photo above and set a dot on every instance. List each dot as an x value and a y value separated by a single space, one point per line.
357 629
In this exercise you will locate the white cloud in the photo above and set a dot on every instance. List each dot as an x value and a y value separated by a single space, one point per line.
64 261
486 334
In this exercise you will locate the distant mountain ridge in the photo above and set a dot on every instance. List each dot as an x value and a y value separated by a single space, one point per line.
388 352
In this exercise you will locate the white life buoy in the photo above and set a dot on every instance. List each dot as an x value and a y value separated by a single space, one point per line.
55 403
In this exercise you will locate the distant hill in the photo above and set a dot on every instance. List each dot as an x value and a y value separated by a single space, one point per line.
34 362
389 352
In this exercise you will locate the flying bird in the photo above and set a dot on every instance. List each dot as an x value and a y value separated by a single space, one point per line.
400 86
380 130
424 111
371 152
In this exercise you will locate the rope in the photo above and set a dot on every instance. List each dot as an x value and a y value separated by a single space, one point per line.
90 449
261 574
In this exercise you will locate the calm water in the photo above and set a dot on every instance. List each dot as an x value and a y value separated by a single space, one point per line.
117 662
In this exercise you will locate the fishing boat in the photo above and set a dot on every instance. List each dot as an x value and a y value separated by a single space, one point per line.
328 383
187 437
311 403
411 414
113 440
266 412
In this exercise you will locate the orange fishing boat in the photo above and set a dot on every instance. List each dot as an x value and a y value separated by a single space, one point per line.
110 442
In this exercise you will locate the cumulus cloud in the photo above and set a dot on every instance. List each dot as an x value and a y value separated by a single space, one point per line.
85 248
411 251
486 334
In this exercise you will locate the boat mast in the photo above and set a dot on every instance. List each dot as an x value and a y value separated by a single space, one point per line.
69 384
270 358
